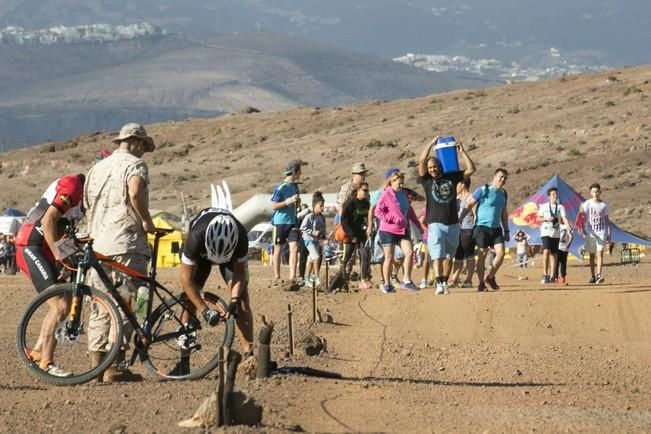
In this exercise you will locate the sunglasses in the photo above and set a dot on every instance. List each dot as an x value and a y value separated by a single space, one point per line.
365 190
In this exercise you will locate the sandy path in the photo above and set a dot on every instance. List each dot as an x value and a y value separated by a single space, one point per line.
526 358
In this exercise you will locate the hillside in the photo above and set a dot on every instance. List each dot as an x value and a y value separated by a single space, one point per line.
50 92
586 128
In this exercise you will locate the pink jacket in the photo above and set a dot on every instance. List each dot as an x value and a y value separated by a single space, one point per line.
388 210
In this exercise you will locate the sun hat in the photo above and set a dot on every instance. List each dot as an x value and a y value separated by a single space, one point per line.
135 130
359 168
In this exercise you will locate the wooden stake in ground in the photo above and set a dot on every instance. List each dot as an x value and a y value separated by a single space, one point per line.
290 327
327 284
220 389
234 359
264 349
314 302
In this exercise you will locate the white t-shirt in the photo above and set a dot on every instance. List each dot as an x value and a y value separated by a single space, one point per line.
595 215
564 238
521 243
547 212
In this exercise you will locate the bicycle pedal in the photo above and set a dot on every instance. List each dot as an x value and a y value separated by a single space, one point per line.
190 346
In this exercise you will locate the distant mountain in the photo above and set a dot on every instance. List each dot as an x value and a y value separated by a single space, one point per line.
48 92
618 31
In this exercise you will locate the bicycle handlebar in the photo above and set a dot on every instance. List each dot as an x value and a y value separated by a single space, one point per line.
161 232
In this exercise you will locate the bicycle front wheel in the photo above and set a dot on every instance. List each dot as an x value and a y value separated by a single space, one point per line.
182 348
46 324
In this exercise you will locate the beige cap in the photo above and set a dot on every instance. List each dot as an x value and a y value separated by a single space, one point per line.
359 168
135 130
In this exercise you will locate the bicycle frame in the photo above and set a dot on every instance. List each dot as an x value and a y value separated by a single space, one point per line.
89 259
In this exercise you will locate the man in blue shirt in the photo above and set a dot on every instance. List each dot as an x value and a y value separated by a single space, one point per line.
285 201
491 226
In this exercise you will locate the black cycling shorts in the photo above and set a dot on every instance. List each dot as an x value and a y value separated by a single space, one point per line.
38 264
486 237
466 247
204 267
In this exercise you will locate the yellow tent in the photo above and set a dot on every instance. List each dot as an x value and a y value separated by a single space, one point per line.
169 247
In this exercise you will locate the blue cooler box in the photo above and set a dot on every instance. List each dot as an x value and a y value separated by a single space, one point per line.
446 152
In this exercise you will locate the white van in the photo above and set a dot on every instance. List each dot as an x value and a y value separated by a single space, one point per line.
260 237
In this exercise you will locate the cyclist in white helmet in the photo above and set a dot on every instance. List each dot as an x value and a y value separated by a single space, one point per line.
217 238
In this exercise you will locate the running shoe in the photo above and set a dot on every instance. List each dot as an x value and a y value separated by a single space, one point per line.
54 370
593 280
562 281
544 280
481 287
600 279
492 282
387 289
211 317
466 285
409 286
423 284
446 289
439 288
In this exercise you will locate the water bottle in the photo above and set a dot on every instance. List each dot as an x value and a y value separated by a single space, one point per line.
142 298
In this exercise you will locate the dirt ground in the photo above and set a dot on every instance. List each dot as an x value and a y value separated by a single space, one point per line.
527 358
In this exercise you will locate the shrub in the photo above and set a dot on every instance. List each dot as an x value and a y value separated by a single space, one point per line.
514 110
632 89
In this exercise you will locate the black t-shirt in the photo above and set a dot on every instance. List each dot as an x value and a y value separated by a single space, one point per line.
354 218
194 248
441 197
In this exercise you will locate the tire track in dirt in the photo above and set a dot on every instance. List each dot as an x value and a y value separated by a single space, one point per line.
384 335
332 416
630 326
485 317
628 320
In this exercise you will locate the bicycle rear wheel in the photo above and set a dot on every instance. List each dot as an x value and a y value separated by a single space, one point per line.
180 352
71 352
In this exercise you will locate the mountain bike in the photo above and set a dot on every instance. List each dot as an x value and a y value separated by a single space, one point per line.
170 340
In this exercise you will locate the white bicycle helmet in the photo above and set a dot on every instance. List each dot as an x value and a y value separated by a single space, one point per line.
221 238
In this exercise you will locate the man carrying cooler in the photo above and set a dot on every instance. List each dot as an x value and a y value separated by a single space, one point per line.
442 214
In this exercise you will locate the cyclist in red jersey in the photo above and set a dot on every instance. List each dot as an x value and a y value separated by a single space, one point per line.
37 256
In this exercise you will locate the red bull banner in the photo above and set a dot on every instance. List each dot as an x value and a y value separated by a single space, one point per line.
525 217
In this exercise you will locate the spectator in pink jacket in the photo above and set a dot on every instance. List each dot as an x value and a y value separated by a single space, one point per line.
394 212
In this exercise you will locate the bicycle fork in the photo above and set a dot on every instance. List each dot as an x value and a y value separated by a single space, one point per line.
73 324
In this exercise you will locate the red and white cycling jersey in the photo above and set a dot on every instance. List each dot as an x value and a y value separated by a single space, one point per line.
65 195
